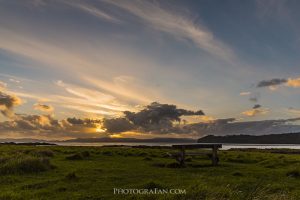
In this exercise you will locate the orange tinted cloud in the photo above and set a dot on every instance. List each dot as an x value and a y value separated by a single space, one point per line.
254 112
293 82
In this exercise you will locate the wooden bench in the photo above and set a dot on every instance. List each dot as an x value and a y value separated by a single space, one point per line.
180 156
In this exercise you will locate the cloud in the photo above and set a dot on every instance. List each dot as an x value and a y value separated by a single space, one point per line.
155 117
92 10
47 127
270 83
177 24
2 86
256 106
117 125
294 110
43 107
245 93
7 103
232 127
86 121
293 82
14 80
89 100
273 83
206 118
255 111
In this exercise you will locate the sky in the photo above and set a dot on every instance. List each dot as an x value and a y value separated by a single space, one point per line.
68 67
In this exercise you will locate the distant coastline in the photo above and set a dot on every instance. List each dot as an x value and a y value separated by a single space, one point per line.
285 138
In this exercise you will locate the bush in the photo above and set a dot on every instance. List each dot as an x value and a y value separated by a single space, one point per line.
189 159
85 154
174 165
237 174
152 185
159 164
43 153
24 164
147 159
77 156
71 176
143 154
107 153
165 155
293 173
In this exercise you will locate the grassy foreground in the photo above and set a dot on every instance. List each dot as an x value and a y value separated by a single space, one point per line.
55 172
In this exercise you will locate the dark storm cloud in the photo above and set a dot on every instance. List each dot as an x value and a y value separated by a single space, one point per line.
272 82
86 122
156 113
256 106
154 117
117 125
7 103
75 120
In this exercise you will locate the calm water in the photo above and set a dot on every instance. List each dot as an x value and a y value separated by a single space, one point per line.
225 146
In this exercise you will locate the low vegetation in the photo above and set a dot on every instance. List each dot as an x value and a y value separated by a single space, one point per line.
55 172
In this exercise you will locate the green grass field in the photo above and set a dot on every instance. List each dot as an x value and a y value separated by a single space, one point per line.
56 172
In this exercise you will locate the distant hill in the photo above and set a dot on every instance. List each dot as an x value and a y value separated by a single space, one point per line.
22 140
132 140
286 138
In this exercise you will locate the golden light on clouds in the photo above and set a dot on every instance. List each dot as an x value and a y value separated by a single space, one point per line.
293 82
130 134
254 112
206 118
100 129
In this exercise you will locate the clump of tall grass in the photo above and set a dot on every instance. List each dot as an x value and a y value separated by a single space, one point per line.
148 159
107 153
22 164
79 156
71 176
295 173
153 185
76 156
43 153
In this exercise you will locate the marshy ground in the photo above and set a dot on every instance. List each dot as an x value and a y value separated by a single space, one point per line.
57 172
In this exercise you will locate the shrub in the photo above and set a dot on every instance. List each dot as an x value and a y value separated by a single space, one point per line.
174 165
237 174
166 155
85 154
71 176
159 164
43 153
77 156
189 159
107 153
143 154
293 173
152 185
147 159
25 164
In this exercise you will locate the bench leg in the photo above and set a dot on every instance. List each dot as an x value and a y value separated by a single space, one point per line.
181 157
215 158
